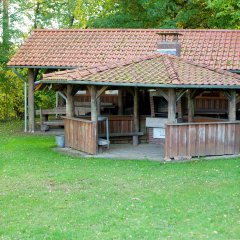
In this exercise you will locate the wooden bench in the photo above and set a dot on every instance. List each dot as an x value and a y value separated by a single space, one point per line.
54 123
131 134
80 109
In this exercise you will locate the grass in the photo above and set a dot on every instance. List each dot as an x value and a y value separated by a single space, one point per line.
46 195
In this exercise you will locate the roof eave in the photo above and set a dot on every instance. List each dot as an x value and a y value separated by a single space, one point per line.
42 67
185 86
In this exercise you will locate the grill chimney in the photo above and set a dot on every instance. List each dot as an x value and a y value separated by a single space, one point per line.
169 43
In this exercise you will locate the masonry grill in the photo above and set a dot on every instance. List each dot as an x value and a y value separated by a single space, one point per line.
169 44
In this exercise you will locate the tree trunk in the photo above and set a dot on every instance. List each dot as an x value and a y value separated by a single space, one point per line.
5 32
36 13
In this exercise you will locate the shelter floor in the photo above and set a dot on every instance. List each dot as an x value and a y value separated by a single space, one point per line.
151 152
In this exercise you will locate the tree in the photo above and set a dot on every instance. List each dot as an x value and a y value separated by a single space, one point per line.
226 13
159 13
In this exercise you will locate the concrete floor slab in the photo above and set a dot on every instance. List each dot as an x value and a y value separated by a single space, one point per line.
150 152
141 152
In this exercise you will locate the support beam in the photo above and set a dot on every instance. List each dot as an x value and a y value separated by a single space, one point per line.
180 94
31 112
171 105
98 97
190 105
161 92
120 101
62 99
232 106
130 90
70 102
135 116
101 91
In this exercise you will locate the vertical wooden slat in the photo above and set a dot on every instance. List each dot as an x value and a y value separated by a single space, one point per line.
231 138
192 135
182 141
227 139
202 140
211 143
220 139
167 148
237 139
174 132
207 140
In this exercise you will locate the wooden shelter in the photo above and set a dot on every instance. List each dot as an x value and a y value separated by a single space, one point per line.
158 97
165 76
52 50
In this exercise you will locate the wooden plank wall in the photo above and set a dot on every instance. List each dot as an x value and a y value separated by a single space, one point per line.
105 98
202 139
122 124
214 104
80 134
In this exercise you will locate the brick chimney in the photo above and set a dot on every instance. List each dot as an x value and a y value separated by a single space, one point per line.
169 43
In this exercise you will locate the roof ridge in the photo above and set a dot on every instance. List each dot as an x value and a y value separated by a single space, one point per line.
103 67
167 61
121 63
131 29
221 71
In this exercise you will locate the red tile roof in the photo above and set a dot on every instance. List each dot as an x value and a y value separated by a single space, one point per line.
152 70
85 48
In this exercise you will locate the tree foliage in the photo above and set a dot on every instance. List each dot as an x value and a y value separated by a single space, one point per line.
164 14
18 18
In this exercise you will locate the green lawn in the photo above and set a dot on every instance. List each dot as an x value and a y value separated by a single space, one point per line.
46 195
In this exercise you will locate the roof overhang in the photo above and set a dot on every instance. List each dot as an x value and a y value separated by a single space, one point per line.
177 86
43 67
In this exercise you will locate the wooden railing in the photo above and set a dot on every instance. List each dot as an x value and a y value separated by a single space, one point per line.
80 134
202 139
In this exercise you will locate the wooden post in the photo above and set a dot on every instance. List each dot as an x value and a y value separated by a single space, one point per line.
31 112
99 106
120 101
180 110
171 105
135 116
190 106
70 102
232 106
94 111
